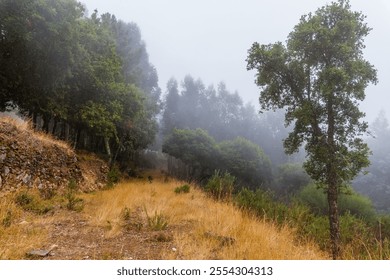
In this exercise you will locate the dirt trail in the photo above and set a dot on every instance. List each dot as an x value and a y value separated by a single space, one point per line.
77 239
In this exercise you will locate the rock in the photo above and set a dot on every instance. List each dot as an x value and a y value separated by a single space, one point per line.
2 157
6 170
42 252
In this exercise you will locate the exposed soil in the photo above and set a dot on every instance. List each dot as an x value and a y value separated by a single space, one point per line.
77 239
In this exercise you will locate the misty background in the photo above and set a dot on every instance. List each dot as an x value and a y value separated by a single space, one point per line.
209 39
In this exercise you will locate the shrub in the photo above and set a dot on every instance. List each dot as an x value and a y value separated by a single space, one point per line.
220 186
182 189
113 176
73 202
7 220
157 222
32 203
352 202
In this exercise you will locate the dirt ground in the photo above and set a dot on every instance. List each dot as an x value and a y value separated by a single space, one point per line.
77 239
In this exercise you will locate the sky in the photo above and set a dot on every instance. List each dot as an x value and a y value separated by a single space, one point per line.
209 39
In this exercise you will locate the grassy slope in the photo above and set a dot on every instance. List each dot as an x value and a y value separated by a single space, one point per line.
198 224
114 224
197 228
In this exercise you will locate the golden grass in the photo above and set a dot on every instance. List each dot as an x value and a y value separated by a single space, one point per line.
21 234
199 224
201 227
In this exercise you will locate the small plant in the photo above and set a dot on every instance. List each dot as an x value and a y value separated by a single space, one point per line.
221 186
24 199
32 203
125 214
113 176
157 222
47 193
7 220
182 189
74 203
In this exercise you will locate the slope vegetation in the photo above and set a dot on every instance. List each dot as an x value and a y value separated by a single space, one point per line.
140 218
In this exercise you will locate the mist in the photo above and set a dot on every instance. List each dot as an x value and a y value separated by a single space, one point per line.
210 39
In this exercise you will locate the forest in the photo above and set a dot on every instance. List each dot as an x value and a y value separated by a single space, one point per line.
87 79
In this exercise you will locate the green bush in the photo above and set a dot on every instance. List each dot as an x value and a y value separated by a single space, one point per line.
113 176
182 189
7 220
73 202
157 222
352 203
220 186
32 203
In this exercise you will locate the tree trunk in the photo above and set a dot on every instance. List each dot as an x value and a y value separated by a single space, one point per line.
108 149
333 183
334 223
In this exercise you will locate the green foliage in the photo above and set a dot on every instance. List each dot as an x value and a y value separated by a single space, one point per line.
291 178
90 77
319 78
246 161
351 202
263 205
74 203
157 222
182 189
7 220
220 186
32 203
113 176
239 157
194 147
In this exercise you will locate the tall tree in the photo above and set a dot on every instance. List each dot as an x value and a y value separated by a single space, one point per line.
319 77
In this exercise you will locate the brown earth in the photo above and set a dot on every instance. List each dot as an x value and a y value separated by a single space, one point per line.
36 160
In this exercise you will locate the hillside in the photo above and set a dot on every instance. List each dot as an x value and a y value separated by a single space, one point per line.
36 160
137 219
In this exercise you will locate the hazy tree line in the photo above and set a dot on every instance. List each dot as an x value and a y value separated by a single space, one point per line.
212 129
375 183
86 80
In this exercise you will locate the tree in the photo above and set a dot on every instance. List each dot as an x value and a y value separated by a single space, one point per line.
319 77
246 161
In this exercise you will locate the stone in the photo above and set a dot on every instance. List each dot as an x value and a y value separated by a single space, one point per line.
6 170
41 252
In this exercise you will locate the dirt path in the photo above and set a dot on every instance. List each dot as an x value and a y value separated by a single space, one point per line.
77 239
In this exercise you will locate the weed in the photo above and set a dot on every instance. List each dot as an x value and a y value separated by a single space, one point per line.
182 189
221 186
47 193
73 202
34 204
24 199
157 222
7 220
113 176
125 214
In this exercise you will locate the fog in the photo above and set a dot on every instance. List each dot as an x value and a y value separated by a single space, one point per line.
210 39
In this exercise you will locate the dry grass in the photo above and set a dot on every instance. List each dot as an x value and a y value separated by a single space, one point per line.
19 231
198 227
202 228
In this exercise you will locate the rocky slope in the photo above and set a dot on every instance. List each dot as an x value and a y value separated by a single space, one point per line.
36 160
